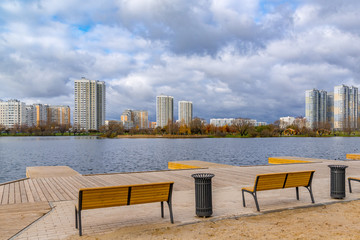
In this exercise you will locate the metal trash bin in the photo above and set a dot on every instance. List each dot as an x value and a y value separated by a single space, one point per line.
337 181
203 195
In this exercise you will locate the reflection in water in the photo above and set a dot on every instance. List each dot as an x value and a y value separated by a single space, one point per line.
96 155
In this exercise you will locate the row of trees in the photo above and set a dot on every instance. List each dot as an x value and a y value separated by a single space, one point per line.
239 128
40 130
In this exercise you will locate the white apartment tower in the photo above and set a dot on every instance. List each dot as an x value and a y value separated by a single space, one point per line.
12 113
164 110
346 104
89 109
185 109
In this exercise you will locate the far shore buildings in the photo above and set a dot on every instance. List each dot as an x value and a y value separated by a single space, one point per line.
135 118
12 112
337 110
15 112
185 109
89 108
164 110
220 122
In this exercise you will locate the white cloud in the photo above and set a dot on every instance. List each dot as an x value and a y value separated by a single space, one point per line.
230 58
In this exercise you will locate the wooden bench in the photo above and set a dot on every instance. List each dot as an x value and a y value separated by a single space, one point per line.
102 197
352 179
278 181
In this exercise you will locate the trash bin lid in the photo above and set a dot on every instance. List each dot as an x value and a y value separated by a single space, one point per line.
203 175
337 166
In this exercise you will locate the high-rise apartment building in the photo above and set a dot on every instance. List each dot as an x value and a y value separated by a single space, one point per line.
164 110
346 102
315 107
141 119
59 115
135 118
12 113
89 109
185 109
41 114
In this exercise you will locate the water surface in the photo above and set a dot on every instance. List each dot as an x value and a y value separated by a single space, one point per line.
94 155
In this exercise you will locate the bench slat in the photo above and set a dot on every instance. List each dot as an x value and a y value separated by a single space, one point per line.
270 181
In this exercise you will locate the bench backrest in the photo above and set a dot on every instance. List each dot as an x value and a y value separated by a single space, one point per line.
283 180
101 197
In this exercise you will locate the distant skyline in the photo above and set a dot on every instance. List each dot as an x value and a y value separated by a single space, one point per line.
231 58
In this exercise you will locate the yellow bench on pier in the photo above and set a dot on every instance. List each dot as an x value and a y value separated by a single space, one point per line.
273 181
102 197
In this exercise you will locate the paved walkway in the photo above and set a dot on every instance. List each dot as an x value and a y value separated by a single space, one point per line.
61 193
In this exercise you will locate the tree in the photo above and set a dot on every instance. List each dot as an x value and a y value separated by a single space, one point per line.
197 126
242 126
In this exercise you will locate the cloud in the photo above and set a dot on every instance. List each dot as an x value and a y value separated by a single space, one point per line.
230 58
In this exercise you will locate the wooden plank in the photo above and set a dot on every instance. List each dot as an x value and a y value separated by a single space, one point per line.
34 191
65 188
28 191
59 188
86 183
41 188
71 187
5 197
79 182
17 193
49 189
12 193
52 185
1 192
99 181
93 181
24 198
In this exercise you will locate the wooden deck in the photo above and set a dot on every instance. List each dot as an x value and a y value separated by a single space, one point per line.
53 189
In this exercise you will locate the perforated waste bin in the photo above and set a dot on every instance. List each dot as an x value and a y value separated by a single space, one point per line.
337 181
203 195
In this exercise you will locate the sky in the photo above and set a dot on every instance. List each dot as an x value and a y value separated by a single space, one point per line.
231 58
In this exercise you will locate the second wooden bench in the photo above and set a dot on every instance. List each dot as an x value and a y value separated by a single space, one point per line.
272 181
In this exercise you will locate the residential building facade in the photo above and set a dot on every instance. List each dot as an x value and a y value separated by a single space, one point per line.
286 121
12 113
346 103
185 109
59 114
220 122
315 107
164 110
90 103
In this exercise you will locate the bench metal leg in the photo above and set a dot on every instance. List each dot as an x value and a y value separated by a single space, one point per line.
170 210
80 230
349 185
162 209
243 197
76 219
309 188
255 198
297 193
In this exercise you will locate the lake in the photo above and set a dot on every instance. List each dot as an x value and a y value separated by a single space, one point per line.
89 155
